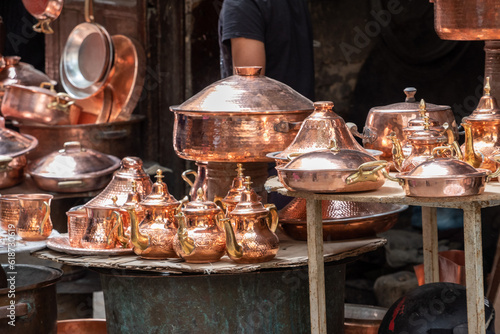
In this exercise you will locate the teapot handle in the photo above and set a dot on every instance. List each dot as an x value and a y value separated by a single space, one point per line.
45 217
219 201
186 178
117 226
272 217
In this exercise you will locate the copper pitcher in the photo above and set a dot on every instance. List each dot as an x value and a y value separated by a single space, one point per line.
253 239
9 212
199 237
102 229
159 223
34 217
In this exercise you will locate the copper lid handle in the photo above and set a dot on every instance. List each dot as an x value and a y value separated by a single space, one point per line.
410 94
248 70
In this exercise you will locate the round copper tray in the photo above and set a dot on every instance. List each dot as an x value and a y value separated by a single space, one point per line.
341 220
61 244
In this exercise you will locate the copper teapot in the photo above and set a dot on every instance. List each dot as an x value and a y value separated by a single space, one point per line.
420 143
200 179
482 131
200 239
253 238
158 225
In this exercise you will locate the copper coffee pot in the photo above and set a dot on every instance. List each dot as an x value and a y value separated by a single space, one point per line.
199 237
253 239
158 225
483 131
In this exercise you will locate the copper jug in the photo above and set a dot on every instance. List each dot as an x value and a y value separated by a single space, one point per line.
34 217
159 223
199 237
200 179
133 200
484 136
102 229
253 239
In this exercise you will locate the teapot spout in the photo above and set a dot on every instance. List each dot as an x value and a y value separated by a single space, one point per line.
139 240
397 151
472 157
233 248
187 243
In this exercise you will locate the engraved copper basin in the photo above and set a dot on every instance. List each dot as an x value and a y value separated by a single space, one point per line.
467 19
239 119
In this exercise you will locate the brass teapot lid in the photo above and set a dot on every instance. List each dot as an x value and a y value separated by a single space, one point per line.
419 121
159 195
13 143
332 158
200 206
487 108
237 187
427 135
133 197
318 129
249 202
246 92
409 105
74 160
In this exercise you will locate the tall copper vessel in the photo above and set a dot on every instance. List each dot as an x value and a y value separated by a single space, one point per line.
239 119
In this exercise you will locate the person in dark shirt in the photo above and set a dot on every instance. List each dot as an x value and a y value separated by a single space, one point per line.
274 34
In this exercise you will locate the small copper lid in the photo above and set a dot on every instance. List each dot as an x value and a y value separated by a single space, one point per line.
418 122
427 135
487 108
234 193
249 203
201 206
133 197
13 143
409 105
159 195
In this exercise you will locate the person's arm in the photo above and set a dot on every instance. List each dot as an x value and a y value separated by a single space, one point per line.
248 52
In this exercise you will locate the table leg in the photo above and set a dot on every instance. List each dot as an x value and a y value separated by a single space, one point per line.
430 244
316 267
474 268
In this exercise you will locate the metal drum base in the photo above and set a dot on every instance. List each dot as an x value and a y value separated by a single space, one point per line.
271 301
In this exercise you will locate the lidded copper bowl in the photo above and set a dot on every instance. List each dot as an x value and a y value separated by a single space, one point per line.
381 121
73 169
239 119
316 133
332 170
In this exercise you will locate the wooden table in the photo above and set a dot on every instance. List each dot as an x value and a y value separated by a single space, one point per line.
393 193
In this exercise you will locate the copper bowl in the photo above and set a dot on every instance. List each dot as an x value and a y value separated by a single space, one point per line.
81 326
341 219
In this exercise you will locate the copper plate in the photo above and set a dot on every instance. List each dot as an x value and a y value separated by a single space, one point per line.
61 244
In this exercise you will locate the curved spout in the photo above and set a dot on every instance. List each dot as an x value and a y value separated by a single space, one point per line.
139 240
397 151
233 248
471 157
187 243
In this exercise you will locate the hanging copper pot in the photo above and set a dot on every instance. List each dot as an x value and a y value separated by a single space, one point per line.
382 121
467 20
45 11
239 119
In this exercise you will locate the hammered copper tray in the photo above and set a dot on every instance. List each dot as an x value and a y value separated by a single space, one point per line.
61 244
341 219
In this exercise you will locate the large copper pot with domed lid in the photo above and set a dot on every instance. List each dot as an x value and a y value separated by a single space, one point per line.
240 118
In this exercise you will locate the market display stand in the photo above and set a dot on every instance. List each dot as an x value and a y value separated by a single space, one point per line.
391 192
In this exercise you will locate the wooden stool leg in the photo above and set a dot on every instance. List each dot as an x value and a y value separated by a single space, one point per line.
430 244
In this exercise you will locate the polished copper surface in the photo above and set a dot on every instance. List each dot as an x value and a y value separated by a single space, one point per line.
131 169
73 169
78 223
42 105
362 319
34 216
332 170
253 237
9 212
61 244
381 121
159 223
101 232
341 219
468 20
242 118
200 239
318 130
45 11
17 72
81 326
483 131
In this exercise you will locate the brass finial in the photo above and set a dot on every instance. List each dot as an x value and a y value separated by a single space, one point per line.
239 169
199 194
159 175
134 186
426 122
114 199
248 182
423 108
487 87
333 145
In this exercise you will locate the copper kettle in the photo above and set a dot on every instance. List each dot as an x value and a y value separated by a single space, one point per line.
199 237
253 238
158 225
